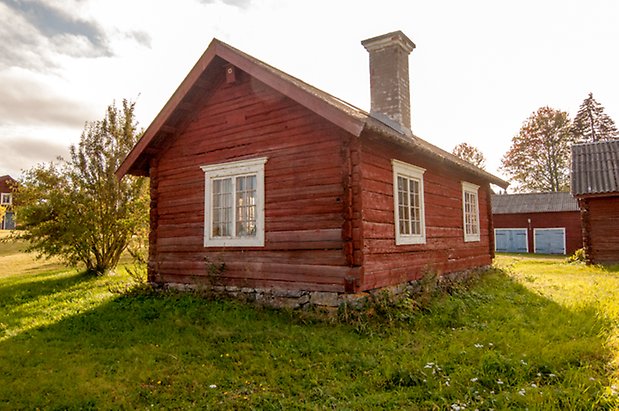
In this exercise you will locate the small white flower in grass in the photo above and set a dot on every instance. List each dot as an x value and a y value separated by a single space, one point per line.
499 382
429 365
522 392
523 362
551 375
474 379
479 346
591 379
539 374
534 385
490 345
212 386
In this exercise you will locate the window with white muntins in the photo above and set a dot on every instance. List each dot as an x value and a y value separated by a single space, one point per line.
408 203
470 207
6 198
234 204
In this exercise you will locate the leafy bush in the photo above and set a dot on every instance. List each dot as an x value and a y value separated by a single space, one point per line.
579 256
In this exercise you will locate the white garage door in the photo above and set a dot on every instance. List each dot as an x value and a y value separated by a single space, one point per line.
511 240
549 240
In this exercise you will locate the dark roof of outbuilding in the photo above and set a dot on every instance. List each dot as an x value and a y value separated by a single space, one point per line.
352 119
595 168
533 203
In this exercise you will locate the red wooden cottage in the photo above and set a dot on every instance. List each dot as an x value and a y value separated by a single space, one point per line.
595 183
285 187
547 223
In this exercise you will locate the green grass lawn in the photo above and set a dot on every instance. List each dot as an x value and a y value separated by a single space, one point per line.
534 333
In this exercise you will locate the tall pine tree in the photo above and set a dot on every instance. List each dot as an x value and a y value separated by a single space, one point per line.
592 124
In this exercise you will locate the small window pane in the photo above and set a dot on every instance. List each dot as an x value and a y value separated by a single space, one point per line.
246 206
222 207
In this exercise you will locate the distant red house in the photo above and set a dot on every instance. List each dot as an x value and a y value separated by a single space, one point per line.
546 223
7 185
595 183
285 187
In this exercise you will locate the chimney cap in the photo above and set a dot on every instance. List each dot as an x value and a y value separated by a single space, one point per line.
387 40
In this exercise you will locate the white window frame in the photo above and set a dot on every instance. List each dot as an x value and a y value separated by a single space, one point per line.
409 172
473 189
240 168
3 196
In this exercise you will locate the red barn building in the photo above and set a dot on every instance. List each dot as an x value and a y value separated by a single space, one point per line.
546 223
260 181
595 183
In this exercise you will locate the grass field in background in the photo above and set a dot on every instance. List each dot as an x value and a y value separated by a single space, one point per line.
533 333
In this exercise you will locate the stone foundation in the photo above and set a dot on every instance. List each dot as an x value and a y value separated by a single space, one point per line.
299 299
278 298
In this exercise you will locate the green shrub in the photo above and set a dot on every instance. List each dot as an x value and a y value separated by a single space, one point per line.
579 256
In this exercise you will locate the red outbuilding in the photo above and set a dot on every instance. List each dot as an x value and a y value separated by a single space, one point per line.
595 183
546 223
262 182
7 187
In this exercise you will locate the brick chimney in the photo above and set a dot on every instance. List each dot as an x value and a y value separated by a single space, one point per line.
389 80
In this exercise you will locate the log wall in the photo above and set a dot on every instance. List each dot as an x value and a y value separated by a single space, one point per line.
601 229
445 251
309 207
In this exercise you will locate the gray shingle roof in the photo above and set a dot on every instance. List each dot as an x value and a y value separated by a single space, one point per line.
533 203
595 168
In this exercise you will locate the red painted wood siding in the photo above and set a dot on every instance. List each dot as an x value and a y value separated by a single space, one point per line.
445 251
603 230
570 220
307 185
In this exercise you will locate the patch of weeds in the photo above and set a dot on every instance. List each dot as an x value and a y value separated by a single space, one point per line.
382 307
386 307
404 377
579 256
214 272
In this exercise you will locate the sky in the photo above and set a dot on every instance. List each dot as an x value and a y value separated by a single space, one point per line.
480 69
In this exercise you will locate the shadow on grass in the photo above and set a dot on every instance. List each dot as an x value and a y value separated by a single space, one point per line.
612 268
35 286
181 351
